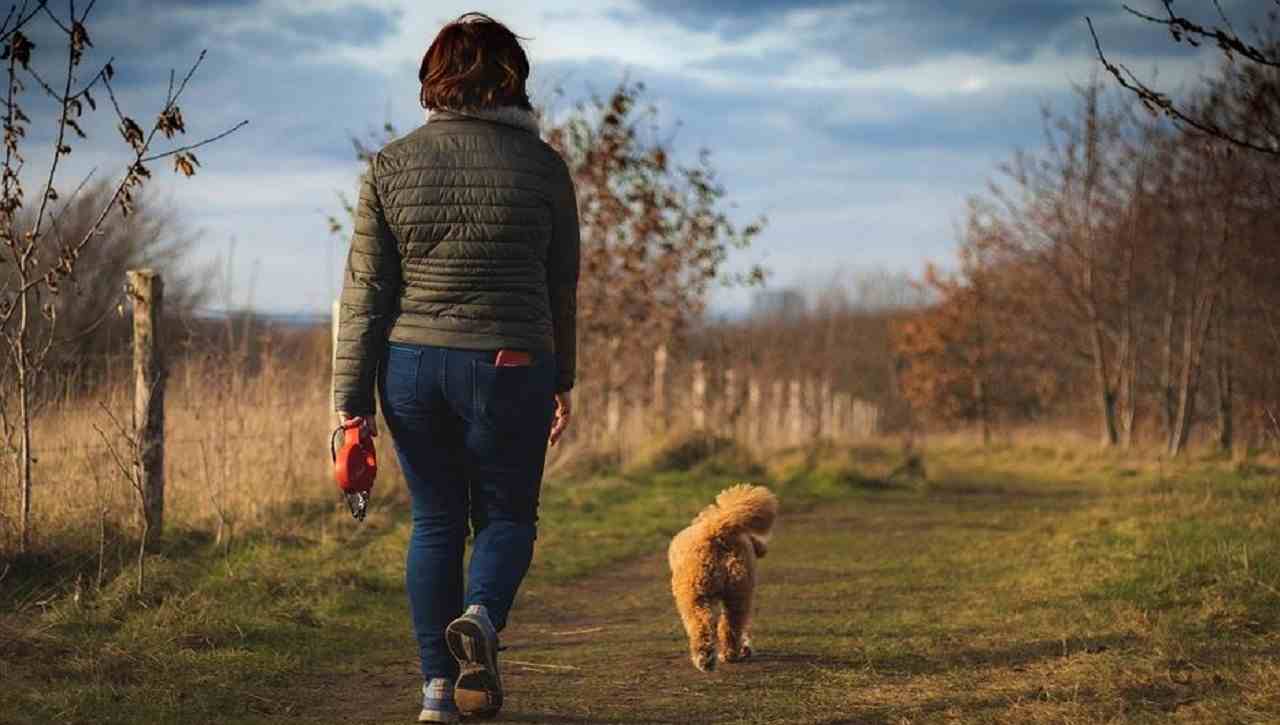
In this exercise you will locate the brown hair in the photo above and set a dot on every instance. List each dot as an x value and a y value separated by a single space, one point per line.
475 62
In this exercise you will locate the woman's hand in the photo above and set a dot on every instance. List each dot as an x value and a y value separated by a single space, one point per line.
368 422
564 408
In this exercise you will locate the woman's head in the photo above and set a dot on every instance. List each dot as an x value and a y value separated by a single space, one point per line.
475 62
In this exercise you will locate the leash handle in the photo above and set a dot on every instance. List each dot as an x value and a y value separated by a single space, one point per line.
348 424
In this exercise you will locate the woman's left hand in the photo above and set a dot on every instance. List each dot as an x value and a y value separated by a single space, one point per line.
564 407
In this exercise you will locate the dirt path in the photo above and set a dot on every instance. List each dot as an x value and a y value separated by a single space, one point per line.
964 605
985 595
609 649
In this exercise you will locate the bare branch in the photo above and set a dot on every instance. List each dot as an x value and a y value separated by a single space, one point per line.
112 308
70 201
101 75
173 96
8 18
137 172
1159 102
1183 29
1222 14
192 147
44 85
58 21
23 17
60 144
115 455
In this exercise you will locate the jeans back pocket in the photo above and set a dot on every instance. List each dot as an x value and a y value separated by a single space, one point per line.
399 376
509 398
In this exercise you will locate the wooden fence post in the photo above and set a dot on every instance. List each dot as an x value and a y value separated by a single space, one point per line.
778 419
699 395
754 422
729 406
659 403
824 408
793 412
840 416
809 410
147 290
866 419
613 397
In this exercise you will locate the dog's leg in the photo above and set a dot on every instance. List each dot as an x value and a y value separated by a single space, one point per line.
699 617
735 644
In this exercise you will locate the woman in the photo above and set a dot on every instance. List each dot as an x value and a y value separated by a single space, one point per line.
459 303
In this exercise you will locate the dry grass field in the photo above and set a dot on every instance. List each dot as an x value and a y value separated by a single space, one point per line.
237 450
1021 583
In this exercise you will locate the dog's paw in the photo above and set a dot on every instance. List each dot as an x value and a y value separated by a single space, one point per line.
737 653
705 661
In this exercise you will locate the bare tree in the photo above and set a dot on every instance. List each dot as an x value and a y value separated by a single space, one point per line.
90 328
1064 216
38 252
1246 113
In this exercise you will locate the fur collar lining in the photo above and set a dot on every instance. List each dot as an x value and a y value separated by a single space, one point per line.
508 115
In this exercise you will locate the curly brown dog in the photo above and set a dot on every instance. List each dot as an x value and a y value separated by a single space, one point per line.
713 565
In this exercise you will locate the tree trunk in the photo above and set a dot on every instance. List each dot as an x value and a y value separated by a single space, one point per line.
984 411
1127 365
24 421
1226 419
1129 413
1106 393
1195 330
1166 362
1092 173
1225 350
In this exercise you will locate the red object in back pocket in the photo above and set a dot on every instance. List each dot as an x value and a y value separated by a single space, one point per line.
512 359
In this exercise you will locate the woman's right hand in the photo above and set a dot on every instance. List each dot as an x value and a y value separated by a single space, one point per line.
368 422
564 408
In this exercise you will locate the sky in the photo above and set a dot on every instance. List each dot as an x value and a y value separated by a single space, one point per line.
858 128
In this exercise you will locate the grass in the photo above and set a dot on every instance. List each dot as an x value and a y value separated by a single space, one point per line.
1018 584
238 448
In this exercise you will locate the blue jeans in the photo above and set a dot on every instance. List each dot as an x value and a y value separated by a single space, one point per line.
471 439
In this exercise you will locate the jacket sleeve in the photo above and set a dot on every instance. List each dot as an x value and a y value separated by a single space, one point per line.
370 294
562 275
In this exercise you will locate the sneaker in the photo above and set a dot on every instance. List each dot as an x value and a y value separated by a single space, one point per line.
437 702
474 643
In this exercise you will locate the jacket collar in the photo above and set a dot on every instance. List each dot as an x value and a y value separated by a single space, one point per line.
506 115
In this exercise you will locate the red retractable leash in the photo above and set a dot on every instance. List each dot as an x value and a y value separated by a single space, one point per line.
355 464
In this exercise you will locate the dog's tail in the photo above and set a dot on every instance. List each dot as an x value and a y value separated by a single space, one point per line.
739 509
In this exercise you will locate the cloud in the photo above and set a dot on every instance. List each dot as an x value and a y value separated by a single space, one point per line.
858 126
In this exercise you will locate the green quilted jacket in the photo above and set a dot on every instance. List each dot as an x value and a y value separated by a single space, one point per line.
465 236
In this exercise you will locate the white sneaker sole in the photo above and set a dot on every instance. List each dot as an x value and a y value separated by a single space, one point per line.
478 690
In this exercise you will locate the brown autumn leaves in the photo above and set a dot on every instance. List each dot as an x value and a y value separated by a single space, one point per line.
1126 274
